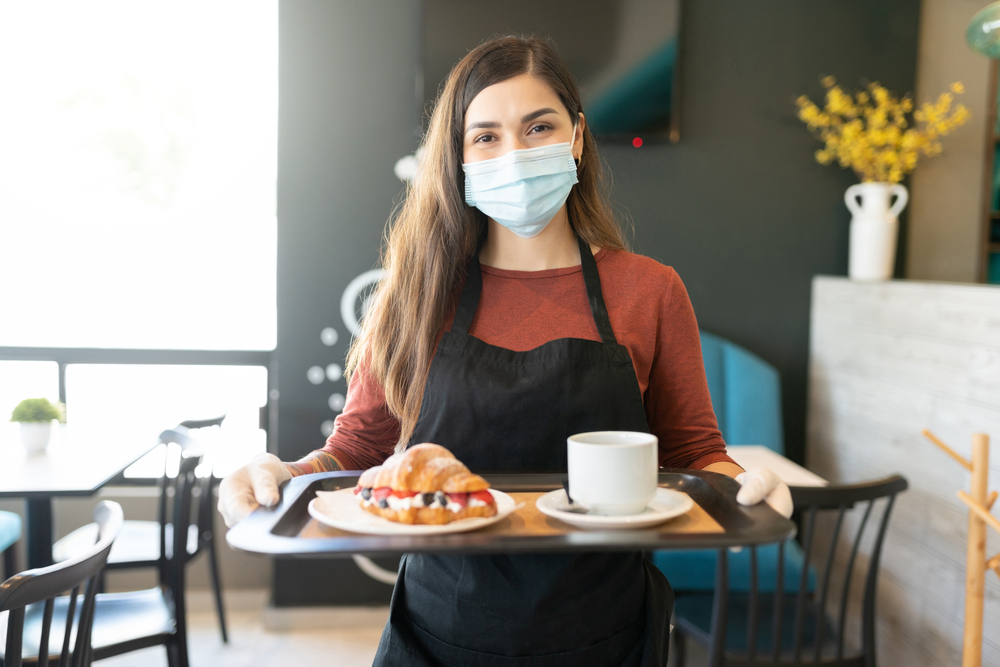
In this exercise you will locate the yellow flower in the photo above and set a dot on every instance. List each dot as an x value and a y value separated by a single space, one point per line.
869 129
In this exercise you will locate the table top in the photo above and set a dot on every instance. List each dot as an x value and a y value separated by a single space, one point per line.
77 462
789 472
717 521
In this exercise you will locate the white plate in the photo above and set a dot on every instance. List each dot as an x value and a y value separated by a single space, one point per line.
666 504
341 509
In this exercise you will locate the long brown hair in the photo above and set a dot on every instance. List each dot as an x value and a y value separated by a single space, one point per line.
428 246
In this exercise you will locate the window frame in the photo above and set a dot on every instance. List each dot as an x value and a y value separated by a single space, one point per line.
64 356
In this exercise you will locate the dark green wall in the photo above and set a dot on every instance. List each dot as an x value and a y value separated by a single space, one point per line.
738 207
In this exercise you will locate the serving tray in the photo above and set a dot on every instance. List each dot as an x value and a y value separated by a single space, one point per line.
715 521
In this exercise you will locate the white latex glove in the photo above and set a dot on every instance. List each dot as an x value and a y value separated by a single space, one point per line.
253 485
762 484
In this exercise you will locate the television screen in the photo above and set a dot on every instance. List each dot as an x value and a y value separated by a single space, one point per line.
623 54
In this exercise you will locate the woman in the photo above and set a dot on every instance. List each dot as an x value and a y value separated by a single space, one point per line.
512 316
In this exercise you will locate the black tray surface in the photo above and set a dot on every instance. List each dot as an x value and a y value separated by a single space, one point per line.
275 531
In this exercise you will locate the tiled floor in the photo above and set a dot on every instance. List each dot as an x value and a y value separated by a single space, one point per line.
251 645
259 637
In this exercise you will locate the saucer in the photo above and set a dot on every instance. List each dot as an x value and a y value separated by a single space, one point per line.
666 504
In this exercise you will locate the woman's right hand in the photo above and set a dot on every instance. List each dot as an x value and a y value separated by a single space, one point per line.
253 485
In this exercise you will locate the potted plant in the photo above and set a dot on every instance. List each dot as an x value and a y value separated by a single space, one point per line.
35 416
870 132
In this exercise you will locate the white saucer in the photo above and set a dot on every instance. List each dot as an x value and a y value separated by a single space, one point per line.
666 504
340 509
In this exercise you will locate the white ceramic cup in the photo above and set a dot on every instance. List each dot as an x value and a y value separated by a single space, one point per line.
612 472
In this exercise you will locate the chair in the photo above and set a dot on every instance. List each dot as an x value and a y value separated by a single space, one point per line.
27 624
148 543
746 398
746 394
133 620
796 627
10 533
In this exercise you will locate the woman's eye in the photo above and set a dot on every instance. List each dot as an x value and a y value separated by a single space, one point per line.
480 139
543 127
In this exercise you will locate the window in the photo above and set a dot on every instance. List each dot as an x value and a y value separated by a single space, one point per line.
137 174
142 400
138 168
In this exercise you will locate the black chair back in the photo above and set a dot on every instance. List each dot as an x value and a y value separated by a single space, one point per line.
170 486
45 584
180 518
808 625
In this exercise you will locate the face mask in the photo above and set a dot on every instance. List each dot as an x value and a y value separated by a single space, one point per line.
522 189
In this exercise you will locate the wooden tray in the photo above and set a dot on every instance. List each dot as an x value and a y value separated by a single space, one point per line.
716 521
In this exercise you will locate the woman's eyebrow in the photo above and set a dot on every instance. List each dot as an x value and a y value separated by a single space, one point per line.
491 124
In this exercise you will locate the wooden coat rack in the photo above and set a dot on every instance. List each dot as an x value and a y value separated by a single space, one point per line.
980 502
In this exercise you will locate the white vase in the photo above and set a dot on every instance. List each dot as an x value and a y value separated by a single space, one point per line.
874 229
35 435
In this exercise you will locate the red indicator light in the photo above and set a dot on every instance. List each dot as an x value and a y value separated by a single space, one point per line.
637 142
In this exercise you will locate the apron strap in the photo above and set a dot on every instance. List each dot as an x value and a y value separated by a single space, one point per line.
469 301
592 280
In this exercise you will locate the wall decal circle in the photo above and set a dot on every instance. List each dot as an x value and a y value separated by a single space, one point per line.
316 375
353 291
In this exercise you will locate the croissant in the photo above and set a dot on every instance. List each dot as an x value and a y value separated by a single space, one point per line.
424 484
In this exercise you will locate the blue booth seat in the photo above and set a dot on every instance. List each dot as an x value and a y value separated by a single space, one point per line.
10 533
746 397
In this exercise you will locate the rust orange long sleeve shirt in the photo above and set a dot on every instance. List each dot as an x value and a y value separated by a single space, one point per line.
651 315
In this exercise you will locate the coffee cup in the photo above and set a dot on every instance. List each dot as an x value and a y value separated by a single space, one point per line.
612 472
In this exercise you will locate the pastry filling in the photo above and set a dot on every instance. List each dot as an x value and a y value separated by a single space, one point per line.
386 498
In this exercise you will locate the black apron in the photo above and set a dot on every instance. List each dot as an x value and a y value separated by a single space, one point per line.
499 410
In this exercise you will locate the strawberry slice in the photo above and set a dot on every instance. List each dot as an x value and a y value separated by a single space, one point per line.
381 493
460 499
357 489
483 496
404 494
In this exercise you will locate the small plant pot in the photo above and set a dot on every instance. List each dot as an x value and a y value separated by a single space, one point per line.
35 436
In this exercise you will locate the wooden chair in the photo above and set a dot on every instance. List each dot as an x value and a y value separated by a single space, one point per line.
149 543
796 627
27 624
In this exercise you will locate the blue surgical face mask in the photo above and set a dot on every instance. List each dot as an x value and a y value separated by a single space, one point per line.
522 189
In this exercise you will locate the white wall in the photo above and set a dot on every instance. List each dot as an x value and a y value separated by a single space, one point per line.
887 360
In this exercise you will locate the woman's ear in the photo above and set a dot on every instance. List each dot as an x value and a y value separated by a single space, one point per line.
580 126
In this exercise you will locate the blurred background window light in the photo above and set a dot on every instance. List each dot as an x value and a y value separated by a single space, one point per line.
142 400
137 174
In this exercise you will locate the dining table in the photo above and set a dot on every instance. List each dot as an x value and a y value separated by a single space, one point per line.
77 462
787 470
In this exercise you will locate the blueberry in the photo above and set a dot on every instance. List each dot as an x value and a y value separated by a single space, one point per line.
441 498
384 503
428 499
366 493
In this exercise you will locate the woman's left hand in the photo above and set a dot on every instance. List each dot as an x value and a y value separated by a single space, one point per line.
762 484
